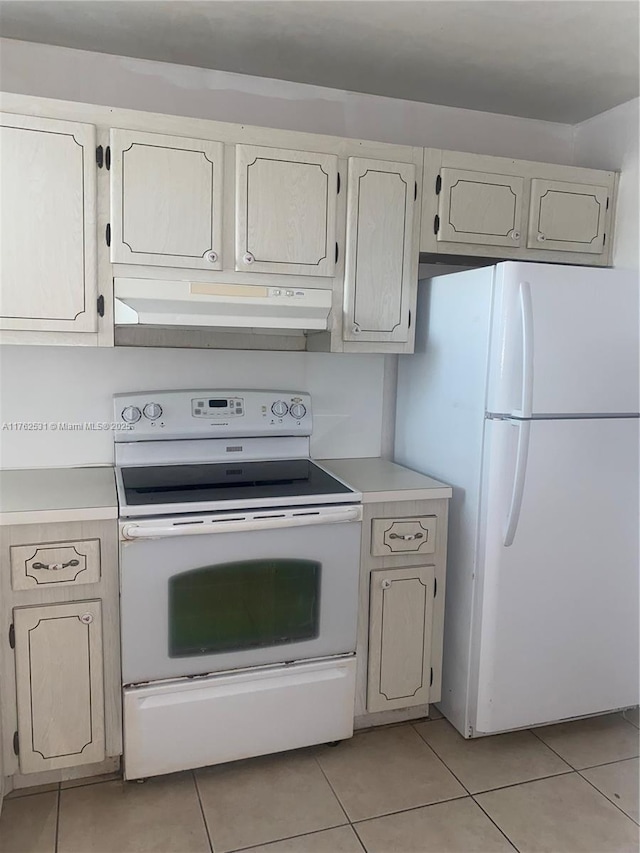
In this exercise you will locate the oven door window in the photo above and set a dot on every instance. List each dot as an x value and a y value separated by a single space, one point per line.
243 605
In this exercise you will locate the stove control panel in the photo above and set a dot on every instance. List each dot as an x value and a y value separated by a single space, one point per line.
158 415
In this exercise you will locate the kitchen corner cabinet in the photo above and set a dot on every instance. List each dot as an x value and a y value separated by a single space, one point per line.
48 269
166 200
379 263
286 211
496 208
60 709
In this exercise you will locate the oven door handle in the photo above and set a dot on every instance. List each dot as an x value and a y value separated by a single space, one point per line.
150 530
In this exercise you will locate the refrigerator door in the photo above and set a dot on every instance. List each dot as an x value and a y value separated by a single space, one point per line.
564 340
555 627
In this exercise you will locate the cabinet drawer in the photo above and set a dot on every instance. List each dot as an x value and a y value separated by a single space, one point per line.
415 535
55 563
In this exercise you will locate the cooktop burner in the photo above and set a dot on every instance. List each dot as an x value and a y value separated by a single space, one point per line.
228 481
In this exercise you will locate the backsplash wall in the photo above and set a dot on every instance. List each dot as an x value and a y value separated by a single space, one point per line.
75 385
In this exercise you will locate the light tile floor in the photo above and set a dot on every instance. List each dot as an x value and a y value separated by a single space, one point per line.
410 788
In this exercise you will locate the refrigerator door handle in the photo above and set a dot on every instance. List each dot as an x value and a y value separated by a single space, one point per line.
526 311
517 492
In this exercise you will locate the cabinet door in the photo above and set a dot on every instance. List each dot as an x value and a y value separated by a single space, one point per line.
378 260
285 211
478 207
48 270
400 617
567 217
59 685
166 200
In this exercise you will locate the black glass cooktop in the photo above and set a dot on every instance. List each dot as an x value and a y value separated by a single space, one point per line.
226 481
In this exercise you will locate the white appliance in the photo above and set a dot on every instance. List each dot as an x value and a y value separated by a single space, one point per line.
239 561
199 304
523 394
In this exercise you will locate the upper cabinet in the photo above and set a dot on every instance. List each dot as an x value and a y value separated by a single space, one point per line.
166 200
479 207
497 208
285 211
380 250
48 221
567 217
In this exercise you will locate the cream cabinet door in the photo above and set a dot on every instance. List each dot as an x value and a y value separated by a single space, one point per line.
59 681
567 217
478 207
379 251
166 200
48 272
400 622
285 211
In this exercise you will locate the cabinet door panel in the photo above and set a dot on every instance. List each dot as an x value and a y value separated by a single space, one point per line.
478 207
379 250
59 679
48 224
567 217
166 200
285 211
401 611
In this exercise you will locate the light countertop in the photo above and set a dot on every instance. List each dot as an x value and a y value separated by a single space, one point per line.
381 480
49 495
45 495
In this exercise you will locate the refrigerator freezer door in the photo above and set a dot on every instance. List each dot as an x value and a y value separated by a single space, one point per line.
564 340
556 612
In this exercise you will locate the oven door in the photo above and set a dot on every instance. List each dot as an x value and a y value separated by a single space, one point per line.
225 591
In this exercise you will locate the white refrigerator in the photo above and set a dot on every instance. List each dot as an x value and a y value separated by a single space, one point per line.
523 395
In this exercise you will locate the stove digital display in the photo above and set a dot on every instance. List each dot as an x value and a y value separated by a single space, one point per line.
218 404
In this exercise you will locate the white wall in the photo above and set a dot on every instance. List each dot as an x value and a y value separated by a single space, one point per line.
610 141
98 78
354 396
75 385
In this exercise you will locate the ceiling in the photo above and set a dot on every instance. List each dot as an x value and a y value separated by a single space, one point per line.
560 60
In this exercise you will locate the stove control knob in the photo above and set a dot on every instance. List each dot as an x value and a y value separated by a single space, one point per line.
131 414
298 411
279 408
152 411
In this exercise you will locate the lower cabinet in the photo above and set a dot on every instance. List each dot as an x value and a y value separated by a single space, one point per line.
60 688
401 611
400 618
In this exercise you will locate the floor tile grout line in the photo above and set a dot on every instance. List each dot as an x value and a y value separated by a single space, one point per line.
466 789
500 830
59 797
590 766
289 838
204 817
607 798
356 823
333 791
567 772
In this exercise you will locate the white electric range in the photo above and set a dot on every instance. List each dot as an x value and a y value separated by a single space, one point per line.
239 560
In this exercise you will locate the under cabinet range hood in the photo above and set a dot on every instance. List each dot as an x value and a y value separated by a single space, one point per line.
197 304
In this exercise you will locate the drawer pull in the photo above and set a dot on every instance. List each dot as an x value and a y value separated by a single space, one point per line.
55 567
407 537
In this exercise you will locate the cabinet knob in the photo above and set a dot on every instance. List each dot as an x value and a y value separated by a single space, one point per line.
248 258
385 584
212 257
356 329
86 618
515 235
541 238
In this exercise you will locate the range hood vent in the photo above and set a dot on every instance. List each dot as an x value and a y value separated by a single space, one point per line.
156 302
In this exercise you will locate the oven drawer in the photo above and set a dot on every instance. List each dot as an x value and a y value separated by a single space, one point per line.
411 535
170 727
48 564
